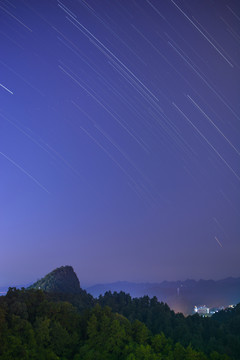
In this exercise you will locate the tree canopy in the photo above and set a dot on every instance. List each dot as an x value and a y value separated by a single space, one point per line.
38 325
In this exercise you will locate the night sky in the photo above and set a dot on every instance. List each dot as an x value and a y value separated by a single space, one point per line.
119 139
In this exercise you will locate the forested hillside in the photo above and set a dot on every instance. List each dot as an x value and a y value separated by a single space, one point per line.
38 325
221 332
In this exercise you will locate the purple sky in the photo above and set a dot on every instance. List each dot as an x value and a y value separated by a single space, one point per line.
119 139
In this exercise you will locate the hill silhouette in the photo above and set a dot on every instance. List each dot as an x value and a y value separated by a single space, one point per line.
60 280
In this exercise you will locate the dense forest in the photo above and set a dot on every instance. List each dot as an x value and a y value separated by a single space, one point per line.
221 332
39 325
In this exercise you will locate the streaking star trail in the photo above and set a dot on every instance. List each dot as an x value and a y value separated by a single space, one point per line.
24 171
119 139
5 88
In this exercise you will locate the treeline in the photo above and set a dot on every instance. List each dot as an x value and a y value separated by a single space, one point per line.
36 325
220 333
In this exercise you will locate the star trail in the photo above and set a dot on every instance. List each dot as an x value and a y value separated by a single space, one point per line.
119 139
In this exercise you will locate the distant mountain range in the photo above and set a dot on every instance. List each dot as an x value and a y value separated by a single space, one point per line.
181 296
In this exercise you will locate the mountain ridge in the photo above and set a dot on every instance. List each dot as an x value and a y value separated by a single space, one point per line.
179 295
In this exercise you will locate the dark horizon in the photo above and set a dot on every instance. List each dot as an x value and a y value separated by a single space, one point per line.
85 285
